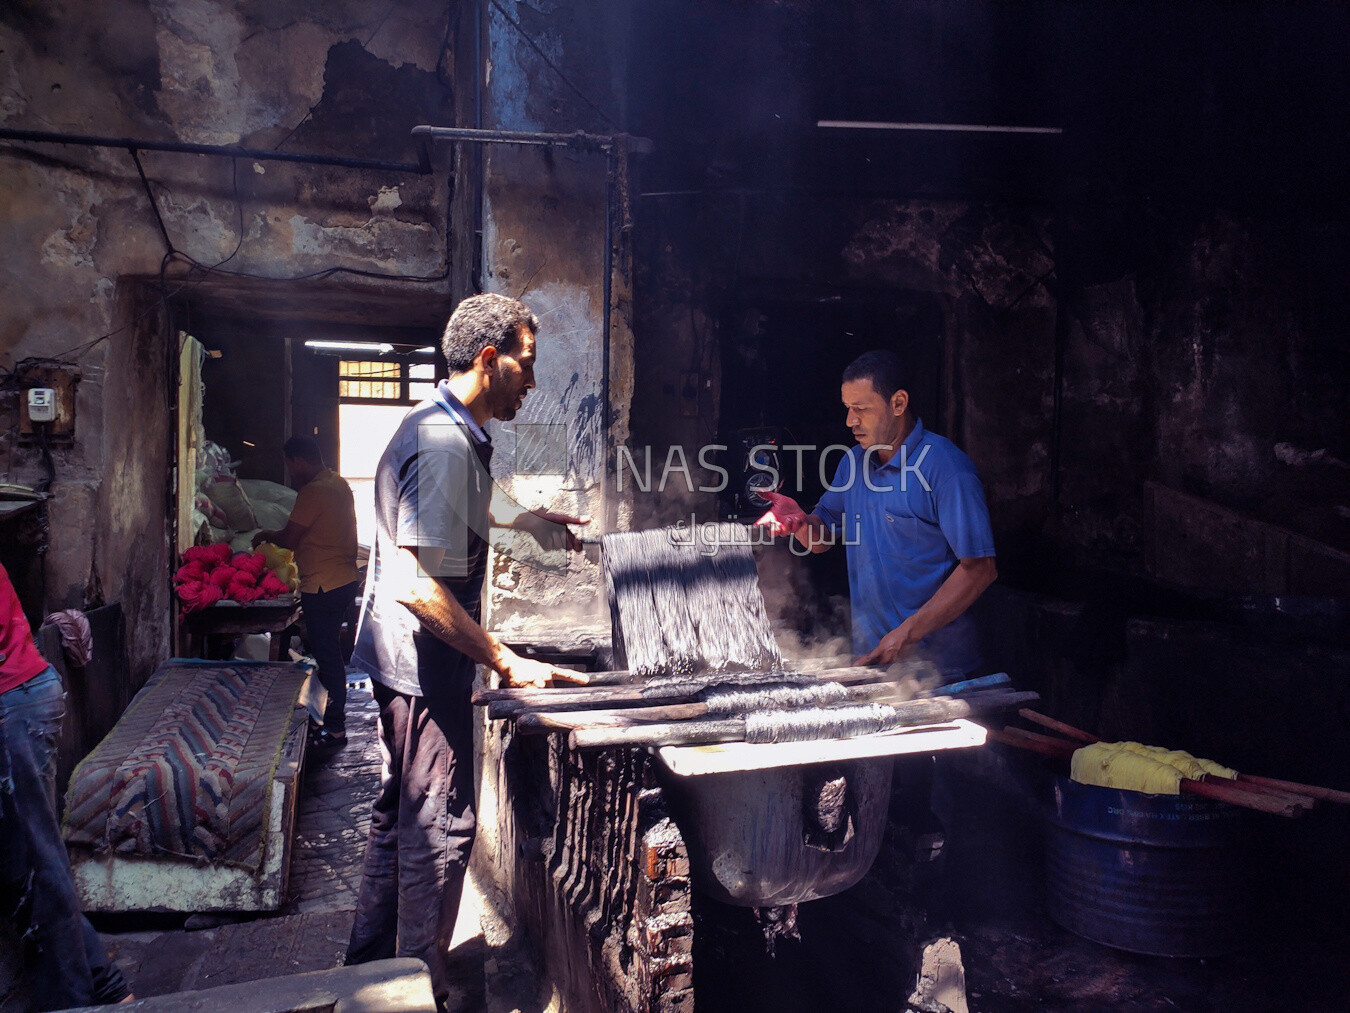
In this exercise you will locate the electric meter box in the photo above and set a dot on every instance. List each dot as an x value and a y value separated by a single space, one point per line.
41 404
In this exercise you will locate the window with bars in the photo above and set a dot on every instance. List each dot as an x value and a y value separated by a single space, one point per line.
385 381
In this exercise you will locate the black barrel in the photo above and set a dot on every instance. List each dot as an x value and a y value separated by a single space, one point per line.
1155 874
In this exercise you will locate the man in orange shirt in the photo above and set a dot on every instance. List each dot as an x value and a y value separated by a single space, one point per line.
321 531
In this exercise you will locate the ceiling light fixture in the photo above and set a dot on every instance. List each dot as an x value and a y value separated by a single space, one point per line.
352 346
960 128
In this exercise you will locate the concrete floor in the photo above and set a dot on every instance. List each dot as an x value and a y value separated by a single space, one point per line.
1016 959
311 932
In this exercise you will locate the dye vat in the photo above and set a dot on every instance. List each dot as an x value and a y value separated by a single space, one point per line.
755 839
768 824
1153 874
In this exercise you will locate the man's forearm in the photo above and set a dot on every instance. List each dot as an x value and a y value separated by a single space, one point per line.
814 534
445 618
956 594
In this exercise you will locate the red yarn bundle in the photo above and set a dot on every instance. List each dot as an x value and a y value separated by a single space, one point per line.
212 573
195 595
250 562
273 586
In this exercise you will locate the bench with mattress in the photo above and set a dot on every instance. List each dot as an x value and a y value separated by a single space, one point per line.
189 803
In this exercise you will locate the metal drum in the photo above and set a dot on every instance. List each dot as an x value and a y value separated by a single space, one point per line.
1155 874
748 833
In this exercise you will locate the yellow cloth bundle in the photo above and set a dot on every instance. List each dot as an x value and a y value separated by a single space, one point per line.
281 562
1137 767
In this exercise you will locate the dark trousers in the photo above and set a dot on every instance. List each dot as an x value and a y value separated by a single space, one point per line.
65 958
422 827
324 612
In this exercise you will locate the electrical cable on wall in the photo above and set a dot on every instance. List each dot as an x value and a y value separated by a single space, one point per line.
174 254
553 66
199 272
40 428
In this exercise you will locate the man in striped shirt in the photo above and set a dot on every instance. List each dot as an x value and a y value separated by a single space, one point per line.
420 634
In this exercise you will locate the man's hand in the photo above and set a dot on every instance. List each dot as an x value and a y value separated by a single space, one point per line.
262 536
549 528
518 671
784 516
896 644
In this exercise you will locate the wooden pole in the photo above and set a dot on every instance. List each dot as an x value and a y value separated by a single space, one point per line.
1224 790
693 733
852 673
1219 789
1006 737
1253 783
534 718
1311 790
1058 726
1304 802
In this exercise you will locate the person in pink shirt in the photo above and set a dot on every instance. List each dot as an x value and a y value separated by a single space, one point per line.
65 960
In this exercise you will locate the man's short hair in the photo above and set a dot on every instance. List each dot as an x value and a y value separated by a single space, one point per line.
303 448
483 320
880 366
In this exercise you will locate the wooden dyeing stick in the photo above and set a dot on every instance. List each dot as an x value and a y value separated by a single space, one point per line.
1252 781
543 722
1311 790
634 692
1059 726
1009 737
1221 788
557 720
499 709
698 733
1304 802
612 677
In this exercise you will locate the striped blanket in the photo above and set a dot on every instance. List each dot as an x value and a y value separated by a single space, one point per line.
187 771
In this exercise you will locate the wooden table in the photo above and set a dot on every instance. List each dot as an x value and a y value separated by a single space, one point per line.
232 619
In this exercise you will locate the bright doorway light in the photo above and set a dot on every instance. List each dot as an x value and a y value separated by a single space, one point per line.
364 430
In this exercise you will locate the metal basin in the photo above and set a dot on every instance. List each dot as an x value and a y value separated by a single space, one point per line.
753 838
1155 874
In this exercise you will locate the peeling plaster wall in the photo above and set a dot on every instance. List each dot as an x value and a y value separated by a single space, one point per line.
544 242
310 76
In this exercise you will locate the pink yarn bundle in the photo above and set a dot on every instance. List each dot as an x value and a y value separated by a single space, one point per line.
212 573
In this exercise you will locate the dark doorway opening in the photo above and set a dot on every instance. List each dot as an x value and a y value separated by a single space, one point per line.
782 359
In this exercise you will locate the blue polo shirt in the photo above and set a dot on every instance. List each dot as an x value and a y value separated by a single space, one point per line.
904 525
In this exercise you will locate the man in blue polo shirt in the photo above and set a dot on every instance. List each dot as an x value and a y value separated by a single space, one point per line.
911 512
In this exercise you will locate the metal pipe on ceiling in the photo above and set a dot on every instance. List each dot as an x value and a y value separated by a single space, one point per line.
422 167
604 143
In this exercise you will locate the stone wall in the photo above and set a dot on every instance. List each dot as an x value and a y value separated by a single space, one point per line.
1200 352
589 870
558 69
1151 297
84 257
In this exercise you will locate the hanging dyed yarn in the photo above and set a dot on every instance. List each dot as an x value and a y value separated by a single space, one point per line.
687 600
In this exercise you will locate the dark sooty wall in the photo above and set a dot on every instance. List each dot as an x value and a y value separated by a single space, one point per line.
1149 297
